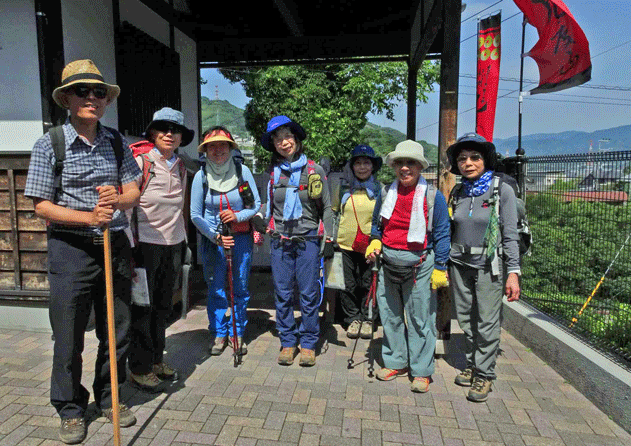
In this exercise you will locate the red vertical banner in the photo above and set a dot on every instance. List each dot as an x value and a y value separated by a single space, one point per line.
488 75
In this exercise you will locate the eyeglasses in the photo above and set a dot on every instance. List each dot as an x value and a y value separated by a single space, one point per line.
281 136
166 127
404 162
463 158
83 91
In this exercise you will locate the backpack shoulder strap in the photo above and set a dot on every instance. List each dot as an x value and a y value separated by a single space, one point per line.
430 196
58 142
118 147
148 172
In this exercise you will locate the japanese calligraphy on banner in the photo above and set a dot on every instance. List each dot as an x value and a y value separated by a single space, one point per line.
488 75
562 52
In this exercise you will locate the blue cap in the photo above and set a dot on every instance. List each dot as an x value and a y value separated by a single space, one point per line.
368 152
275 123
472 141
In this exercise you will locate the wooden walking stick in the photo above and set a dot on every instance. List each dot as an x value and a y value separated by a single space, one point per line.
111 333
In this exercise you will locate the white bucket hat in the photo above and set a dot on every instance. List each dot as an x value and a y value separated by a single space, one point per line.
408 149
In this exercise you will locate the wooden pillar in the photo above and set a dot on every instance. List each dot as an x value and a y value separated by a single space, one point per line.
447 132
411 123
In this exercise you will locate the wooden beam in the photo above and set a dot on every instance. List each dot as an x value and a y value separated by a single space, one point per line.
183 22
427 26
411 102
287 12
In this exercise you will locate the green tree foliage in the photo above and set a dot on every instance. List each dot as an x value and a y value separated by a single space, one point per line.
223 113
330 101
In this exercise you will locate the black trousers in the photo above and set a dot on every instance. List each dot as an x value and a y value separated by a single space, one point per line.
357 278
162 263
77 280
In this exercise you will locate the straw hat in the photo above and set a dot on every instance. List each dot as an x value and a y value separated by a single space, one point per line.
410 150
83 72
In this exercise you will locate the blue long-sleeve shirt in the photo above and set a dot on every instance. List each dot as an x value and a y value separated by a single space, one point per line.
439 239
205 210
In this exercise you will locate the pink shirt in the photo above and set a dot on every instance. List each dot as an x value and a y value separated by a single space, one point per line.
160 213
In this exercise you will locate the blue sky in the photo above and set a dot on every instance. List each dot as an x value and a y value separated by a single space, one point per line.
606 24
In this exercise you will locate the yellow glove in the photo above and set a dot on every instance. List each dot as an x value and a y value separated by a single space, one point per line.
373 246
439 279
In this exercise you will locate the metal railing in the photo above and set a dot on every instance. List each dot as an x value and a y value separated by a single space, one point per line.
580 216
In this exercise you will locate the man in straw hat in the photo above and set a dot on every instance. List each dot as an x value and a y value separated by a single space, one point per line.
78 199
411 233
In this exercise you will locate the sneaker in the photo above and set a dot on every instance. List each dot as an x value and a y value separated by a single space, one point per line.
480 389
149 381
366 331
286 356
352 331
243 347
386 374
72 430
126 417
307 357
218 345
465 378
420 384
164 372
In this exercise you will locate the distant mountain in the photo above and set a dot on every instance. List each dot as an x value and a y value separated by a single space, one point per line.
619 138
216 112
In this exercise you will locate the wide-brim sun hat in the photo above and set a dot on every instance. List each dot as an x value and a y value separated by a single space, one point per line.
274 124
83 72
171 116
408 149
472 141
218 135
368 152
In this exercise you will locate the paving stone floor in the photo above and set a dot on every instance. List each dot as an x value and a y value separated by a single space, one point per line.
261 403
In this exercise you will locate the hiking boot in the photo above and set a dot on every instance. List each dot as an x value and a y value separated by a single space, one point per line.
243 347
218 345
126 417
352 331
149 381
72 430
164 372
386 374
465 378
307 357
286 356
479 390
366 331
420 384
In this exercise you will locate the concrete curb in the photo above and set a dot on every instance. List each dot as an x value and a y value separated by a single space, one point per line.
601 380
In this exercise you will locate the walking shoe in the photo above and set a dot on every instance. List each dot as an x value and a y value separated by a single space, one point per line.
149 381
218 345
164 372
386 374
366 331
286 356
352 331
465 378
72 430
126 417
307 357
243 347
479 390
420 384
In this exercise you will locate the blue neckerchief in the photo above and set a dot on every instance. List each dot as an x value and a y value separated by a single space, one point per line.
479 186
292 209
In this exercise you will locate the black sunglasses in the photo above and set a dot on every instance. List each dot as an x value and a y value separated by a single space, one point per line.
83 91
167 127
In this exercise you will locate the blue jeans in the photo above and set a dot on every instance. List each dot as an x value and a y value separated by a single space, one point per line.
215 272
297 264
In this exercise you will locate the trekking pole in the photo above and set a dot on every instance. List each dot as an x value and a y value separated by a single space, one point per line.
575 318
109 294
236 352
350 360
372 301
